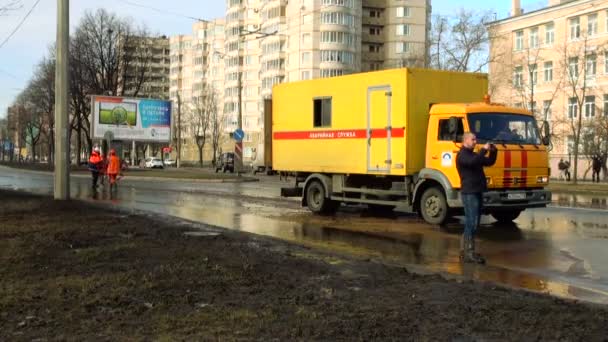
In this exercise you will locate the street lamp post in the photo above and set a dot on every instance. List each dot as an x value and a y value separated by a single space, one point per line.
62 150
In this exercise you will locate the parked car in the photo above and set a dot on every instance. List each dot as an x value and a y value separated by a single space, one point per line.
153 163
225 162
169 162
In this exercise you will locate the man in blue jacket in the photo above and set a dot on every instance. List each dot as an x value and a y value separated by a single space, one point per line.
473 184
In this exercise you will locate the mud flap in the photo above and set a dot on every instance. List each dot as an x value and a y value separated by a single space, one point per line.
292 192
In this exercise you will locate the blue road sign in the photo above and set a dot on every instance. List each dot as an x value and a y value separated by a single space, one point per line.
238 134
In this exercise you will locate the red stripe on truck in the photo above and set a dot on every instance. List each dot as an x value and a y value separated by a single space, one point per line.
338 134
507 181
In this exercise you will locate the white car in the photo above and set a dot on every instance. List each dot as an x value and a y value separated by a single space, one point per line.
153 163
169 162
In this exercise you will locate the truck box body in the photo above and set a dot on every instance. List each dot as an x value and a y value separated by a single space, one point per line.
370 123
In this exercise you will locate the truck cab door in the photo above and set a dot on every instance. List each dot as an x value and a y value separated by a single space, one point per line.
443 144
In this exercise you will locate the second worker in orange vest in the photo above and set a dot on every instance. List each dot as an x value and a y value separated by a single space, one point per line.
113 167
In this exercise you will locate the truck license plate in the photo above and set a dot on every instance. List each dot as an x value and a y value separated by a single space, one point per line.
516 196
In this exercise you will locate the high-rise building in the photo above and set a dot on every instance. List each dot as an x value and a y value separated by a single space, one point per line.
273 41
197 68
148 61
553 61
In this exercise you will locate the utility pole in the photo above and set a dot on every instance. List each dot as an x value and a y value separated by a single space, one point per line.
179 131
239 144
62 148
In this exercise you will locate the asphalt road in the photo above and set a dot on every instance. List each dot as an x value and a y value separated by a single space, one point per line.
559 250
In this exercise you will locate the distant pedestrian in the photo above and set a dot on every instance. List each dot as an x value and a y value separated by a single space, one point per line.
473 184
596 168
114 168
95 164
564 169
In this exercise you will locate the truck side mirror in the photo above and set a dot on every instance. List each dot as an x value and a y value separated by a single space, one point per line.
453 128
546 133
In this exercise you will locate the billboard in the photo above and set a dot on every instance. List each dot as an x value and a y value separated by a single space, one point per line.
131 118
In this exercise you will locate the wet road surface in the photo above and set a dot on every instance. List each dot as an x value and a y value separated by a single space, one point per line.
559 250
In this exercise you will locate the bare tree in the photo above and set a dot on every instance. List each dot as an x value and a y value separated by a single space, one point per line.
9 6
218 119
42 95
201 118
29 119
460 43
574 55
108 56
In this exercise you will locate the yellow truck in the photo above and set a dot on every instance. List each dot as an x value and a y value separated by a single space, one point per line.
390 139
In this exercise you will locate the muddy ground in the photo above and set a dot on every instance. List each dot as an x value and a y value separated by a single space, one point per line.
72 271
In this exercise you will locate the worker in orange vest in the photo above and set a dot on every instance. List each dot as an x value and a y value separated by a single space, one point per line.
113 167
95 162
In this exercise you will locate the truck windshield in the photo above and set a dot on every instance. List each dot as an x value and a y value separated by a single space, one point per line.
504 128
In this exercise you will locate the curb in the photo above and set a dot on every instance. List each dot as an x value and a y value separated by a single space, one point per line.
80 174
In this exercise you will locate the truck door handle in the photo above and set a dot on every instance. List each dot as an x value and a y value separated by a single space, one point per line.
434 157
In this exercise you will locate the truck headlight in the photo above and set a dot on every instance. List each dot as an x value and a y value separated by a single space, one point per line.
542 179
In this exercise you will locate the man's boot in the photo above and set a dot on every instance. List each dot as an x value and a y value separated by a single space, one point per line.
469 254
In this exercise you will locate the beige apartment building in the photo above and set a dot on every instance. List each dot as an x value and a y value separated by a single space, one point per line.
554 61
267 42
197 67
152 58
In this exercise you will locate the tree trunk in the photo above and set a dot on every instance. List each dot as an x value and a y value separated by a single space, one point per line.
51 147
78 143
200 154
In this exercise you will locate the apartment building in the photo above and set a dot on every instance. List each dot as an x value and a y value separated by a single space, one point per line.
150 57
196 68
543 60
395 34
267 42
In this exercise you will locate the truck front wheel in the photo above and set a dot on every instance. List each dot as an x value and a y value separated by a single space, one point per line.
506 216
317 200
434 206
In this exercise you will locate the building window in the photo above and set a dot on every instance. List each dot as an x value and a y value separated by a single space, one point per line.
518 78
403 12
592 25
374 48
606 62
534 38
306 57
322 112
548 71
374 31
374 13
402 47
589 106
533 74
590 65
306 75
572 108
605 104
573 67
549 34
519 40
306 38
403 30
547 109
575 28
338 18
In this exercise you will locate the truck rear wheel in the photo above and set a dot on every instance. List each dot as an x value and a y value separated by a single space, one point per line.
434 206
506 216
317 201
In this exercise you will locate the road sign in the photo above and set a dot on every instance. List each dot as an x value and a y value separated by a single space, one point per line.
238 134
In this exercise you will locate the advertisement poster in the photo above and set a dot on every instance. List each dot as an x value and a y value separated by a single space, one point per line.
131 118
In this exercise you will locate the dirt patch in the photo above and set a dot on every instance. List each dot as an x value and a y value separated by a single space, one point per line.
78 272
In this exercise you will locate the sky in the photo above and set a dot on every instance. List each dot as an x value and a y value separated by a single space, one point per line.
19 56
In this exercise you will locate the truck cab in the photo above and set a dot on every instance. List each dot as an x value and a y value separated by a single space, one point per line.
515 182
